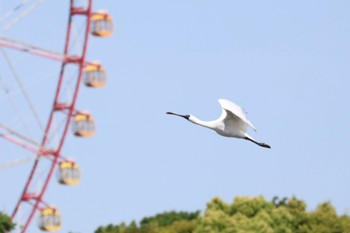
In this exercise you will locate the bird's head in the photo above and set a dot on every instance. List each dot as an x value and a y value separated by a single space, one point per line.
187 117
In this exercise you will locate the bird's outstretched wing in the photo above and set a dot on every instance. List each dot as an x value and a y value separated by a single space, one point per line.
235 110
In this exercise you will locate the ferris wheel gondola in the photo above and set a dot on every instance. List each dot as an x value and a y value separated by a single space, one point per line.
101 24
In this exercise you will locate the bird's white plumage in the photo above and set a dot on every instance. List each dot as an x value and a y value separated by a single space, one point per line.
238 118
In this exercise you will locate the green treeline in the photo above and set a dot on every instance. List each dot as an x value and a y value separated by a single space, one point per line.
243 215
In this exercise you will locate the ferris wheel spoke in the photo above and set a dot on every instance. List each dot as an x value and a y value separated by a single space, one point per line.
21 144
19 135
17 162
22 15
24 92
20 140
42 52
39 150
32 49
15 107
13 11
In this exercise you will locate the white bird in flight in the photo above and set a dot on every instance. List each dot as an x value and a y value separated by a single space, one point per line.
231 123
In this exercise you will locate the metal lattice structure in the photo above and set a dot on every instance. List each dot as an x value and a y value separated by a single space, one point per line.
63 109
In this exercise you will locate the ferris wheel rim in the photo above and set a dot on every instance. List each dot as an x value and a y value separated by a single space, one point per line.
80 62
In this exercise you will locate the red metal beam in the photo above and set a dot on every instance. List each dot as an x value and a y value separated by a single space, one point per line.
38 151
80 61
20 46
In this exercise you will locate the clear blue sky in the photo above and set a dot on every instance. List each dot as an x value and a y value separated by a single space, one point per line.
286 62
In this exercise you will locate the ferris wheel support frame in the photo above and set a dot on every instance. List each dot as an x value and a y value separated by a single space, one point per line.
69 110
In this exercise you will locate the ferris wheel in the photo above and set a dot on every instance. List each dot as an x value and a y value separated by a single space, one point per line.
39 89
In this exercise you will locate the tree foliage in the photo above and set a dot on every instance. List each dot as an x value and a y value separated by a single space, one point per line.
168 218
5 223
167 222
243 215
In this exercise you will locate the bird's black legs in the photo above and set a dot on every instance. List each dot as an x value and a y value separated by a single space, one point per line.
258 143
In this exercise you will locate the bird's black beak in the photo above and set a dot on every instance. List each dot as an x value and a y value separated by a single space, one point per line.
175 114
